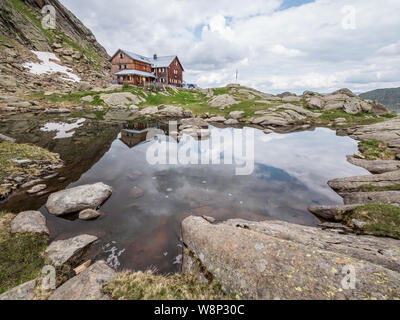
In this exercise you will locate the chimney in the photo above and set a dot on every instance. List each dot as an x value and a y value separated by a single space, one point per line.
155 56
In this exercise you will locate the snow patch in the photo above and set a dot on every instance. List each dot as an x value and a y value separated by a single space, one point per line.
64 130
46 66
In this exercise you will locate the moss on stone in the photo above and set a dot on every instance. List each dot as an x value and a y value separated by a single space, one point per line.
376 150
148 286
21 259
371 188
377 219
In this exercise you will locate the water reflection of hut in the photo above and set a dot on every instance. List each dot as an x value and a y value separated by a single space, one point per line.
132 138
135 133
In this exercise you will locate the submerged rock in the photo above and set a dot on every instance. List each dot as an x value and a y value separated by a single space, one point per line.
87 285
89 214
79 198
29 221
66 251
278 260
37 188
136 192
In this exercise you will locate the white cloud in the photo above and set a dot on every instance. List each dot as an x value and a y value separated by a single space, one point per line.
281 50
300 48
391 49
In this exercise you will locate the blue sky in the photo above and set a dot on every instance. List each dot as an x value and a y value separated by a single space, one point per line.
277 45
293 3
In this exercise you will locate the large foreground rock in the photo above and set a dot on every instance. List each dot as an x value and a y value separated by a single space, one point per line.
67 251
351 184
87 285
25 291
278 260
79 198
29 221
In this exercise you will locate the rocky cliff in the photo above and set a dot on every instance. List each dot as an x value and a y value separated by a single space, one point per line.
70 45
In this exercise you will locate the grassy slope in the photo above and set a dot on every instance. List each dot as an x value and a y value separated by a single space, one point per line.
15 151
21 255
197 102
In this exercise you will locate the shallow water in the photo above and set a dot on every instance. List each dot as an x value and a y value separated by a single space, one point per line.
291 173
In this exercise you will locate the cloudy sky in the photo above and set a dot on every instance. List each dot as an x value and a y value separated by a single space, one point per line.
277 45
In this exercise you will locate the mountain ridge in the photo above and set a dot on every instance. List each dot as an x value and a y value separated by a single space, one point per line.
390 97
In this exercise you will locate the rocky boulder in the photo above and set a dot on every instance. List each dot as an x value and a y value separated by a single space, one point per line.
387 131
68 251
237 115
332 213
353 184
291 99
120 100
283 115
278 260
344 100
78 198
170 111
29 221
223 100
216 119
87 285
392 197
231 122
195 122
149 111
379 109
375 166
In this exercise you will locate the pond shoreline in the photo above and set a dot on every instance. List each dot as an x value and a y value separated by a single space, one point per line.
385 132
